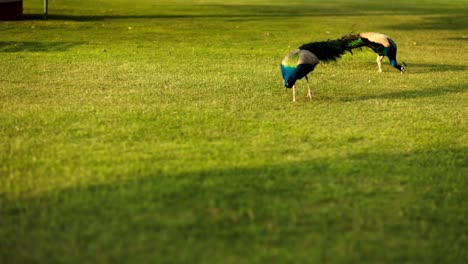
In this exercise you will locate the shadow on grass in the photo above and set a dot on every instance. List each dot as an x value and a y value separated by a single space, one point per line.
31 46
419 68
461 38
429 68
288 181
169 217
412 94
453 22
232 17
247 12
250 12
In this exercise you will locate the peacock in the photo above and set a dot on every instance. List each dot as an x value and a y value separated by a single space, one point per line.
381 44
298 63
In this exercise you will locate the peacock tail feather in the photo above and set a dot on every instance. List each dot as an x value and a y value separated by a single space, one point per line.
354 41
328 50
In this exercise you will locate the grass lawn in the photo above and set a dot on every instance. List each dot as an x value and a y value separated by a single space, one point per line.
159 132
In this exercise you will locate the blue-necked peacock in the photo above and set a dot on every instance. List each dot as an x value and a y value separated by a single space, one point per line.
381 44
298 63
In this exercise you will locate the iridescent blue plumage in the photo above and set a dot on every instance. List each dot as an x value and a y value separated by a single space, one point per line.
289 75
294 73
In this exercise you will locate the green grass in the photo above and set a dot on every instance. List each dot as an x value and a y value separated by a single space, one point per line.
159 132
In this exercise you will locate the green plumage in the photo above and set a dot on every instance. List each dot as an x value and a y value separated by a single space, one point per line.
291 60
356 43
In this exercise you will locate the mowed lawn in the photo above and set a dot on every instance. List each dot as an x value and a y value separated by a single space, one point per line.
159 132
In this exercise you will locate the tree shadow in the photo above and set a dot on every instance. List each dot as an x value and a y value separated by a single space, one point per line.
261 11
235 17
461 38
319 200
288 176
32 46
412 94
430 67
238 12
447 22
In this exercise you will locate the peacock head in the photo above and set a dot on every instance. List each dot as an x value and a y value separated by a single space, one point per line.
289 76
289 83
402 67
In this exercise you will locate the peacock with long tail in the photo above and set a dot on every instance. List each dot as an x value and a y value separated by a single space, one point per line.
298 63
381 44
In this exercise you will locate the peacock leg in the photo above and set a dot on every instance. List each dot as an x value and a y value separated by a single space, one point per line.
379 62
294 93
310 94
